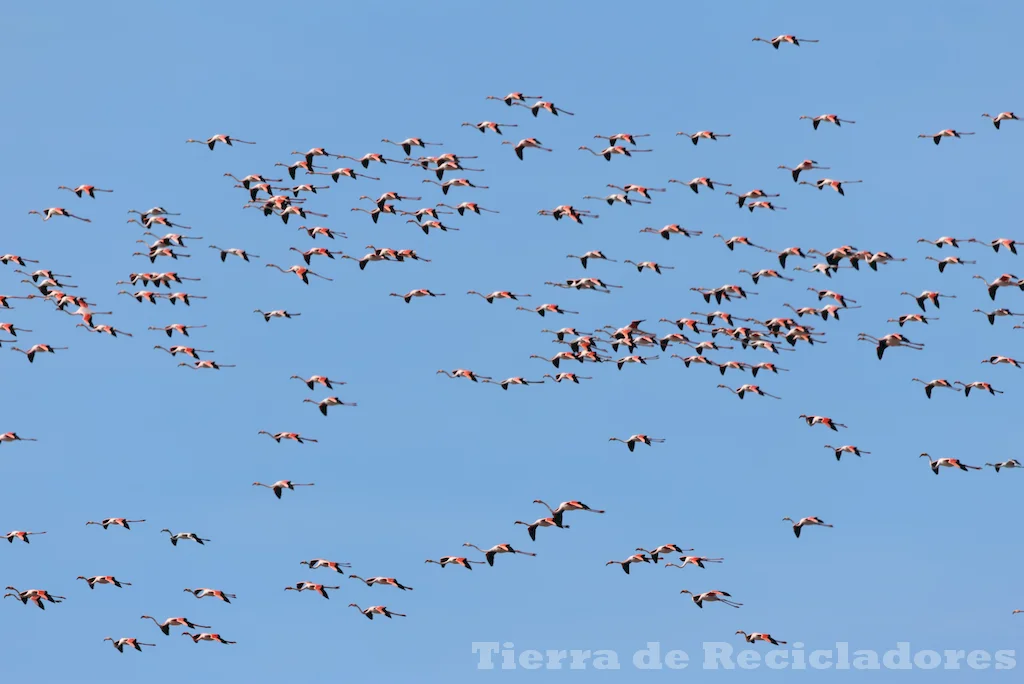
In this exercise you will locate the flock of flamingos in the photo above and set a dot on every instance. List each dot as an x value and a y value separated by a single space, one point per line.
698 338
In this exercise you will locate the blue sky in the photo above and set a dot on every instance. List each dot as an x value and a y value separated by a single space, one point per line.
107 96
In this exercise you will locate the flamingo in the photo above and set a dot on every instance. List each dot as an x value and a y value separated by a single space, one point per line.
318 563
1005 280
318 380
514 97
281 485
376 610
463 373
981 386
531 528
455 183
301 271
911 318
663 550
764 205
709 596
277 313
19 534
570 377
294 436
929 386
536 107
117 522
744 389
1010 245
346 172
220 138
955 260
756 193
890 340
822 420
635 558
827 118
408 296
525 143
592 254
166 625
800 524
927 296
47 214
490 553
176 327
207 636
668 231
557 513
947 463
847 449
15 437
706 135
699 181
611 151
1011 463
760 636
651 265
205 365
485 126
945 133
943 241
30 354
1002 116
996 360
514 381
633 440
699 561
836 185
89 190
385 581
324 404
805 165
131 642
454 560
545 308
498 294
310 586
103 579
775 43
188 536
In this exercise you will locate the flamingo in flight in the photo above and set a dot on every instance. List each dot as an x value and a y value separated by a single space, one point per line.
281 485
490 553
779 40
220 138
806 522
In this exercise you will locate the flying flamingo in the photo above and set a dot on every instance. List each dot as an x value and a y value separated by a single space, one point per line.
207 636
514 97
945 133
189 536
827 118
822 420
536 107
376 610
176 327
281 485
947 463
1002 116
996 360
130 642
699 181
636 558
514 381
557 513
318 379
310 586
463 373
743 389
1011 463
633 440
103 579
14 437
911 318
301 271
928 296
654 266
709 596
592 254
800 524
318 563
805 165
117 522
277 313
455 183
545 308
668 231
848 449
570 377
1005 280
760 636
294 436
890 340
490 553
47 214
663 550
757 193
980 386
531 528
929 386
836 185
323 404
37 349
19 534
207 365
775 43
219 138
90 190
166 625
384 581
410 143
525 143
699 561
485 126
707 135
408 296
612 150
454 560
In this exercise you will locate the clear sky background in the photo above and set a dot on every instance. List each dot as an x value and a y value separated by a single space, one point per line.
106 94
